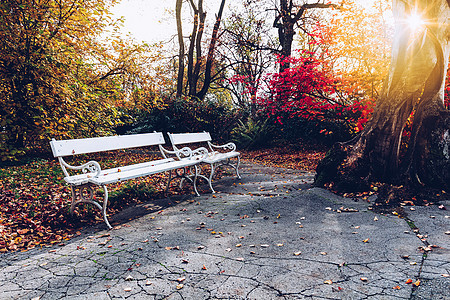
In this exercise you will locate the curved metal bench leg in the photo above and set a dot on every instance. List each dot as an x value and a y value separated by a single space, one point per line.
195 181
237 167
105 204
90 199
210 179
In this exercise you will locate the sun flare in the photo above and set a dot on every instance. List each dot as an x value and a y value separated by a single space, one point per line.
415 21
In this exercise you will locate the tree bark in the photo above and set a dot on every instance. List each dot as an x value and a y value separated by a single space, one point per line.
180 76
288 16
415 82
210 57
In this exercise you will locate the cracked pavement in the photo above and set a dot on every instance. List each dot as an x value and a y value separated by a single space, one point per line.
270 235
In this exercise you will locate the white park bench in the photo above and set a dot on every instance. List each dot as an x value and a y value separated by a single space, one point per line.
218 155
82 184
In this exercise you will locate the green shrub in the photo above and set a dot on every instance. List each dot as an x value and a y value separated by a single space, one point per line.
253 134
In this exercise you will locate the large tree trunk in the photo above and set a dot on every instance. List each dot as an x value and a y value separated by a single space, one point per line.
180 75
415 82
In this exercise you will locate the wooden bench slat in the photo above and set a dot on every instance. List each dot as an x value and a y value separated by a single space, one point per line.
135 173
187 138
83 178
217 157
107 143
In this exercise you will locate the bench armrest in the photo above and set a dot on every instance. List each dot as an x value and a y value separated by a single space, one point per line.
89 167
200 153
179 153
229 146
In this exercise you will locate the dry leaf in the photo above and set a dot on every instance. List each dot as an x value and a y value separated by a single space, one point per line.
364 279
375 219
323 253
129 278
264 246
328 281
417 283
127 289
148 282
204 267
297 253
366 240
280 245
397 287
181 279
180 286
409 281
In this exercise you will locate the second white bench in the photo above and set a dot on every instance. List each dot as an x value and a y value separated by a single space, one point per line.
218 155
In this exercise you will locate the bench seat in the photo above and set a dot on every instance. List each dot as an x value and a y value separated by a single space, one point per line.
109 178
81 179
215 157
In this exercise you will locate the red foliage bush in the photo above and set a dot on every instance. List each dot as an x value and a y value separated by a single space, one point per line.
311 90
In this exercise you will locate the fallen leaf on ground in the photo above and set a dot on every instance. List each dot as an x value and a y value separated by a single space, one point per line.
397 287
364 279
417 282
297 253
127 289
409 281
180 286
328 281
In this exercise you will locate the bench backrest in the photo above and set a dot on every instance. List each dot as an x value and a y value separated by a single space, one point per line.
107 143
188 138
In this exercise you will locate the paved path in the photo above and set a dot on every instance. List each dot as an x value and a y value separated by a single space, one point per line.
268 236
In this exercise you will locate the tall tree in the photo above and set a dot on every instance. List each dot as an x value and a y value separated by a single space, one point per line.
58 77
247 48
415 82
181 50
289 14
197 66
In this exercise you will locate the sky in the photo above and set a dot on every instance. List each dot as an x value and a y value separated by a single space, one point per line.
151 21
146 20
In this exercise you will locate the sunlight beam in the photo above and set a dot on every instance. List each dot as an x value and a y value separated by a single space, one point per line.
415 21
